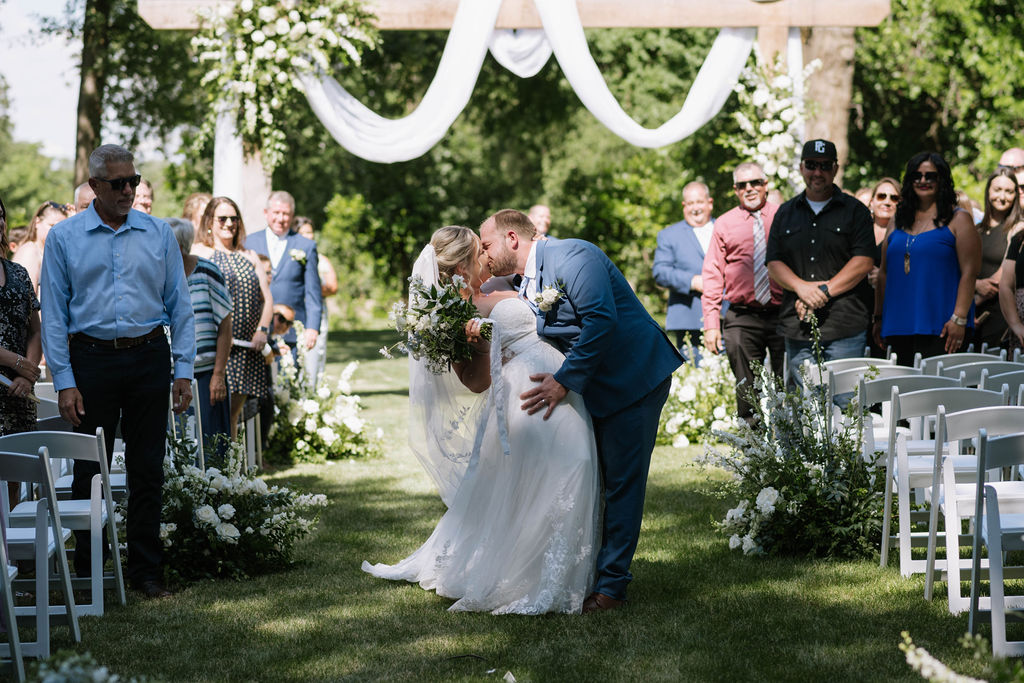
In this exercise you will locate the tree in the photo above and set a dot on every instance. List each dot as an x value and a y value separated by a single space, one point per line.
27 176
942 75
145 81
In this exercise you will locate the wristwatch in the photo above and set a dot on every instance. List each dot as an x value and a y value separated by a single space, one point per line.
957 320
824 289
265 330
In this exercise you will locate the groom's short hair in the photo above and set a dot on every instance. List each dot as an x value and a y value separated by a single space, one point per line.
511 219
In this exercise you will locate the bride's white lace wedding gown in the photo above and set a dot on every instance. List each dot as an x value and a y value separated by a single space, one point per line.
520 535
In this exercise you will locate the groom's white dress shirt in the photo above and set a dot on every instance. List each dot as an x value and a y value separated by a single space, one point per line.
275 247
530 274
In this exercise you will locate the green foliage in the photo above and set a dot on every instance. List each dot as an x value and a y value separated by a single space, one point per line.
943 75
27 176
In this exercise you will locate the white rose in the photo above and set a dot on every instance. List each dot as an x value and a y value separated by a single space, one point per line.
734 542
226 511
217 482
687 393
760 97
749 546
266 13
327 434
282 27
241 55
246 5
680 441
228 532
354 424
258 36
720 413
310 424
298 30
311 406
207 515
766 500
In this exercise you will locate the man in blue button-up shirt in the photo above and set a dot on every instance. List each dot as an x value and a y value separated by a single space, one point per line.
112 278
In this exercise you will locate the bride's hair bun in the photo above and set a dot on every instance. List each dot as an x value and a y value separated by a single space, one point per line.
454 245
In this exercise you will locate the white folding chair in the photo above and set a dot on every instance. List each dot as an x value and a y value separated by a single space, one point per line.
45 390
12 648
913 473
955 498
929 365
1014 380
92 514
44 542
878 391
847 381
1000 527
970 374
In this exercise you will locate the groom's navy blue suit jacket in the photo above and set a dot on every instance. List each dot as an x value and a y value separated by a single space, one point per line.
615 352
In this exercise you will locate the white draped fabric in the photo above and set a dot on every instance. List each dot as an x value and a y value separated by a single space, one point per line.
375 138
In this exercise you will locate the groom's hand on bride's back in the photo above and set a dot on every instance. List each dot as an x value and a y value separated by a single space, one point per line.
547 395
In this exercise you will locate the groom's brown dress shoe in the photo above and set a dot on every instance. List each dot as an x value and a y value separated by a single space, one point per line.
599 602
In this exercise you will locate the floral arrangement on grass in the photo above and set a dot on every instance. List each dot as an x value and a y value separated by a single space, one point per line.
932 669
771 115
434 323
702 400
68 666
317 424
255 51
226 522
802 486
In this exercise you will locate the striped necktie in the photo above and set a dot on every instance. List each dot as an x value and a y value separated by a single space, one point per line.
762 288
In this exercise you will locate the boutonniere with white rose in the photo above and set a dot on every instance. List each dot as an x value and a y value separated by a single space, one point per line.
298 255
548 297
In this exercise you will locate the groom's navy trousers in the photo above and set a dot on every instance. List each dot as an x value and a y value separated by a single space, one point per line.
625 440
620 361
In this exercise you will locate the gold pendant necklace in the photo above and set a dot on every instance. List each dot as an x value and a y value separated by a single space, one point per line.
906 255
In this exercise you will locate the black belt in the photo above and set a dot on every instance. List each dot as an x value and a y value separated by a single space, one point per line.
120 342
754 309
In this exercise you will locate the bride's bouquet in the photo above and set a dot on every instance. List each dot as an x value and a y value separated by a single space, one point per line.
434 323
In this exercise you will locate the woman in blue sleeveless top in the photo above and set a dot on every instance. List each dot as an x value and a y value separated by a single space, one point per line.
924 297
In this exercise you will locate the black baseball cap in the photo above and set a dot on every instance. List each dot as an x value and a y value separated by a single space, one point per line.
816 149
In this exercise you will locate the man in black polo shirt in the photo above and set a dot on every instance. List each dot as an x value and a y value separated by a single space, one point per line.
820 248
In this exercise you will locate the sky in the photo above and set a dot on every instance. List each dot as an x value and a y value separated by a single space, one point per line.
41 75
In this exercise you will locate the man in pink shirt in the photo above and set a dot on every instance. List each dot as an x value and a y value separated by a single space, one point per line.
735 270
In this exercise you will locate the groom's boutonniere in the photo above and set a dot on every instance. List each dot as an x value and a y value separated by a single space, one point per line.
298 255
547 298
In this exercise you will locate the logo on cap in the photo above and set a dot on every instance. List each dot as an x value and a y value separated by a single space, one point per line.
819 146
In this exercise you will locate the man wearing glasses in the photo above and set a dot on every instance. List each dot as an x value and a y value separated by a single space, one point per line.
735 269
112 278
820 250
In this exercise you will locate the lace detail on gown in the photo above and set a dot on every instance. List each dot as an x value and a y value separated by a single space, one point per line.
520 534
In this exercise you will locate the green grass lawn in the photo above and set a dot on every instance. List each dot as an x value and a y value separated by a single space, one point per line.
697 611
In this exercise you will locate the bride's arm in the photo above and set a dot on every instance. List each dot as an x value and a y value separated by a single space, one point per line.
475 373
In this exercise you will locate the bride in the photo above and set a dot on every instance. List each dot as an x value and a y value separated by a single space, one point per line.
520 533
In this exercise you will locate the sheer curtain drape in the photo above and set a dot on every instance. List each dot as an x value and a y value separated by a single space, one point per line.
375 138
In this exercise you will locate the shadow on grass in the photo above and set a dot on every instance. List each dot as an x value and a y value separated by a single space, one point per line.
348 345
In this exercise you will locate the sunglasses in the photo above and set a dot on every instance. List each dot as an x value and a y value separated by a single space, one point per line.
283 320
117 184
224 219
1015 169
882 196
744 184
926 177
818 165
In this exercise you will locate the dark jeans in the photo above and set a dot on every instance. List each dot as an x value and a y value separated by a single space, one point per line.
833 349
749 334
216 417
133 386
625 441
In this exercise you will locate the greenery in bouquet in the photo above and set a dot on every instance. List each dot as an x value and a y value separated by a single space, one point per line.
771 113
314 422
702 401
802 486
254 52
227 522
434 323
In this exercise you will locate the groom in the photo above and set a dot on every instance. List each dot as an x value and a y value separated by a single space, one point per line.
617 358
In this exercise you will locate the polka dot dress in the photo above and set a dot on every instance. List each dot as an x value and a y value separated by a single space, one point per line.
247 371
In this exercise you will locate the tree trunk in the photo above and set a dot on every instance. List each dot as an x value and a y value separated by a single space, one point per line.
95 42
830 90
